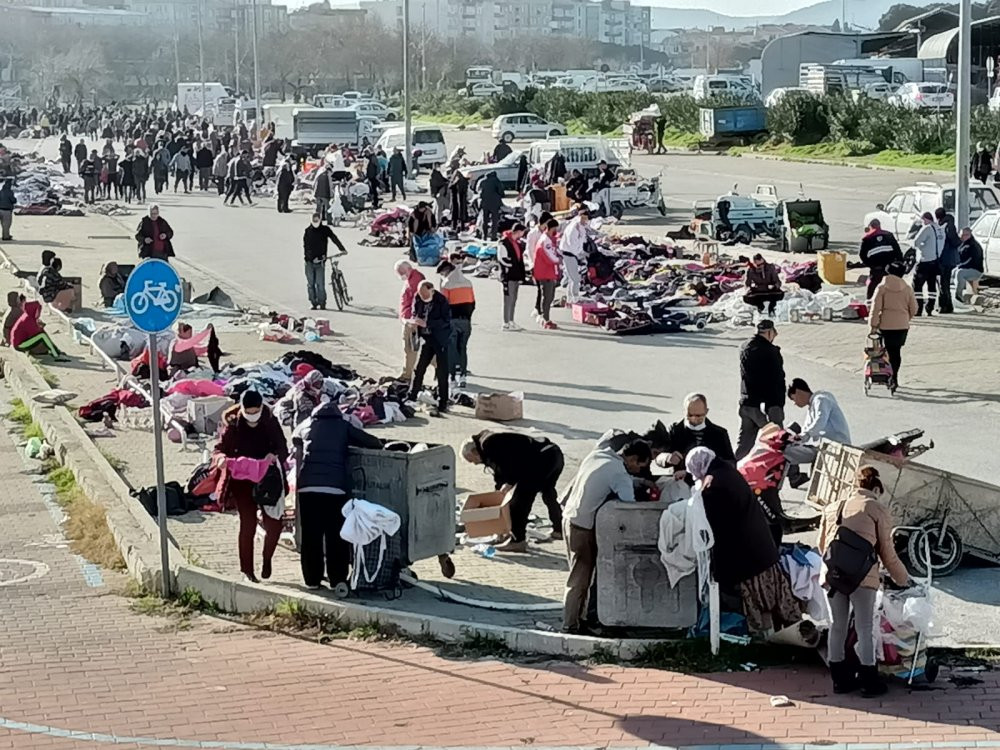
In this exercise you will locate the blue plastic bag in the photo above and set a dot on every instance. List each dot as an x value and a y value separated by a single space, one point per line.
428 249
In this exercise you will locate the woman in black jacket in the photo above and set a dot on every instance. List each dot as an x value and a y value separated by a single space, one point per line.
154 236
432 316
744 555
510 255
323 486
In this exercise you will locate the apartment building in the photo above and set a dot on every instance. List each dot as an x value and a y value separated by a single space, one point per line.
492 21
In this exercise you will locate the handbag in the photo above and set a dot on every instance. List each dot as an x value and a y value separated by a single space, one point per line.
849 558
269 490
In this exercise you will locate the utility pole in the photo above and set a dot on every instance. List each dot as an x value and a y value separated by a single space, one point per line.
407 117
177 57
201 62
256 67
236 31
963 89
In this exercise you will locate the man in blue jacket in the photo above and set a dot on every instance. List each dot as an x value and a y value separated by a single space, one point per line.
949 259
323 486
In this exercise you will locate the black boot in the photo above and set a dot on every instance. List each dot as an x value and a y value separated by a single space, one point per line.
844 678
872 684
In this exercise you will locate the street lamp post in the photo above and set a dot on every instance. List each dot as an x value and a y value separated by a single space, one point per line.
256 66
201 61
963 89
407 117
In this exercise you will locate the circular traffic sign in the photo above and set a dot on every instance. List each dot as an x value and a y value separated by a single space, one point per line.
153 296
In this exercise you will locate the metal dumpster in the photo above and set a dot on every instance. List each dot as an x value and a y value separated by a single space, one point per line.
632 585
420 487
732 122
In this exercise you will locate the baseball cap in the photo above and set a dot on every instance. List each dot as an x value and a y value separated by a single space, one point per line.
765 325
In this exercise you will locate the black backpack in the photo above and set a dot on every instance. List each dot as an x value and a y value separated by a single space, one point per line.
849 558
177 504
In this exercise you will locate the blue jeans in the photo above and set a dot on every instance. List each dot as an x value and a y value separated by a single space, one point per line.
316 283
458 360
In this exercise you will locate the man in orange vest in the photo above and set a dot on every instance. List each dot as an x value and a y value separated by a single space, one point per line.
461 297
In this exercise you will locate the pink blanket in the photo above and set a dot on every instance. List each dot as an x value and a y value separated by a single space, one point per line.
250 469
197 388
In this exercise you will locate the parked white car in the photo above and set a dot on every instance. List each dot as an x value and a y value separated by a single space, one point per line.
986 229
525 125
877 91
484 89
901 213
607 85
375 109
776 95
923 96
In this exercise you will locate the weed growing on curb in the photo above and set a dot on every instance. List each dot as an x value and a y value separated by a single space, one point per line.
118 464
603 655
32 430
19 413
86 524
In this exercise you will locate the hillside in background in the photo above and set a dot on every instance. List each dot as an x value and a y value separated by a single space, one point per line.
864 15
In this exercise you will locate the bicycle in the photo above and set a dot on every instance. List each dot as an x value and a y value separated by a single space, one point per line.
339 284
156 294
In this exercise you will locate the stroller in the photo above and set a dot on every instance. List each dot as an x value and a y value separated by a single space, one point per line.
878 371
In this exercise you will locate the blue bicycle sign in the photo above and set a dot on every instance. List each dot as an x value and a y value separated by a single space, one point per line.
153 296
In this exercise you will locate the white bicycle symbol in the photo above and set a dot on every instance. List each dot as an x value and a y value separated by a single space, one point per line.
156 295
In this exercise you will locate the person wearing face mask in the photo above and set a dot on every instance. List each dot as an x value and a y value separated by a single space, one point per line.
314 242
250 442
694 431
432 317
864 514
155 236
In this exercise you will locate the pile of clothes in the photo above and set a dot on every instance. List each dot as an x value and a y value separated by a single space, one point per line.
42 189
294 385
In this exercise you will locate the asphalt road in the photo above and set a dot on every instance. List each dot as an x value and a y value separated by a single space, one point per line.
577 381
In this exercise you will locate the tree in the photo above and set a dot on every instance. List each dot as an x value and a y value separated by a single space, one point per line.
897 14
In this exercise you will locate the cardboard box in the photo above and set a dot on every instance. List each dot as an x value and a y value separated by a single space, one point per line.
486 514
500 407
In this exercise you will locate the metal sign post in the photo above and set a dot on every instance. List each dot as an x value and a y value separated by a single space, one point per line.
153 301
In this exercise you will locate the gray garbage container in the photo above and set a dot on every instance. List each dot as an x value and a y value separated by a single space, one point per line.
420 487
632 585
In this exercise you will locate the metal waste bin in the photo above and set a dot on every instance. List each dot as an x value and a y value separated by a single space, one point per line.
419 486
632 585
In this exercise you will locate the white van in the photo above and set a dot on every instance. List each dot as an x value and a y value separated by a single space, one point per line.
705 87
581 153
427 139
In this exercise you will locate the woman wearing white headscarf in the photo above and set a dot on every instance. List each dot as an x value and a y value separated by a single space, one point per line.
744 556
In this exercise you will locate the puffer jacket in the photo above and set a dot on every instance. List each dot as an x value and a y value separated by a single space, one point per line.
759 279
762 373
867 517
325 439
894 305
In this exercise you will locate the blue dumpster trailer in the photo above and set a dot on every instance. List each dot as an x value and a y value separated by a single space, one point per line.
720 124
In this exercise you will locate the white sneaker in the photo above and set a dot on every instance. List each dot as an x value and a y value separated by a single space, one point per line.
461 381
514 327
505 327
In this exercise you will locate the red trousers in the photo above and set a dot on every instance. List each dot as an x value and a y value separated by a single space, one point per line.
242 493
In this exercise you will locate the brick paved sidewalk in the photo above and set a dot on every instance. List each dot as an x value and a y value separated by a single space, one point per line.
74 658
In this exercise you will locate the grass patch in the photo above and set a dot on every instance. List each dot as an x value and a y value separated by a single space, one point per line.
20 413
32 430
451 118
86 525
178 611
674 138
843 152
51 379
578 126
